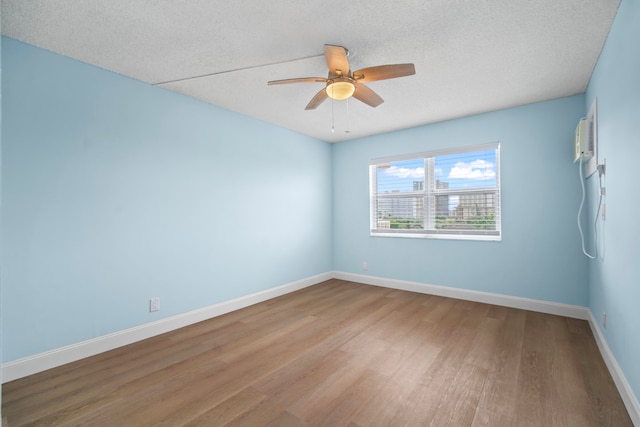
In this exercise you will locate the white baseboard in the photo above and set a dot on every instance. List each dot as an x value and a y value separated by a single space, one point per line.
629 399
573 311
33 364
50 359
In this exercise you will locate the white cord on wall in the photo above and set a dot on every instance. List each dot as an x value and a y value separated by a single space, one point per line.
595 222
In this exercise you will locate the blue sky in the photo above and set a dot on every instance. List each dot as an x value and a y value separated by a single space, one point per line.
465 170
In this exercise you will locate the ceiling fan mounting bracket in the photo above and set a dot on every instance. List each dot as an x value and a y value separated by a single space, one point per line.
337 79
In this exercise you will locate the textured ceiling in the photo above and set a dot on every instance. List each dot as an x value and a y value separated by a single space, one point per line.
471 56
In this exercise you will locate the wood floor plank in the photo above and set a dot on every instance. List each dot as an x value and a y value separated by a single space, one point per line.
229 409
483 348
571 396
420 353
534 402
316 402
338 354
352 399
501 388
421 406
486 418
450 358
288 384
286 419
387 405
457 405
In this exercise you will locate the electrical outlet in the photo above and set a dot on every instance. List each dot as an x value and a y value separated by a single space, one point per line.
154 304
603 320
365 266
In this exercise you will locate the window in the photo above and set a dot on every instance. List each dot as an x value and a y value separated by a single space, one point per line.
441 194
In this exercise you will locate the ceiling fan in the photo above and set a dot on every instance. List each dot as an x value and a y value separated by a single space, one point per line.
342 83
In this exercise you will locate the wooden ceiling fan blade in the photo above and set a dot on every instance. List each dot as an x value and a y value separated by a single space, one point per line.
317 100
366 95
297 80
383 72
337 60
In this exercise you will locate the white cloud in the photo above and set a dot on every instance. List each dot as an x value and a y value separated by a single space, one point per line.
481 164
404 172
478 169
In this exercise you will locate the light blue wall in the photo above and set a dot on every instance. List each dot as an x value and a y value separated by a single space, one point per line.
115 191
539 255
615 278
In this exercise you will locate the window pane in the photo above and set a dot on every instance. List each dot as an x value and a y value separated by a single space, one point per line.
400 177
400 213
468 211
473 210
476 169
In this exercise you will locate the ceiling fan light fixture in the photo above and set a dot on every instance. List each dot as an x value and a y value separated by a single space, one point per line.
340 90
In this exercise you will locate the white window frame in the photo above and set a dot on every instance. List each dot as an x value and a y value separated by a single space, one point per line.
430 193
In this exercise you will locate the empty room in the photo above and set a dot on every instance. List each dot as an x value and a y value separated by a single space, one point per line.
412 213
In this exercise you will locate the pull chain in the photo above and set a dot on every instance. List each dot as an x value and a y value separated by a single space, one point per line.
332 115
347 130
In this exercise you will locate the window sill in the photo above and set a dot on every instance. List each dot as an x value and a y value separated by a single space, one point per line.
480 237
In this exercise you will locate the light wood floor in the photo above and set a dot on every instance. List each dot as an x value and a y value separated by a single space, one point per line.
338 354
